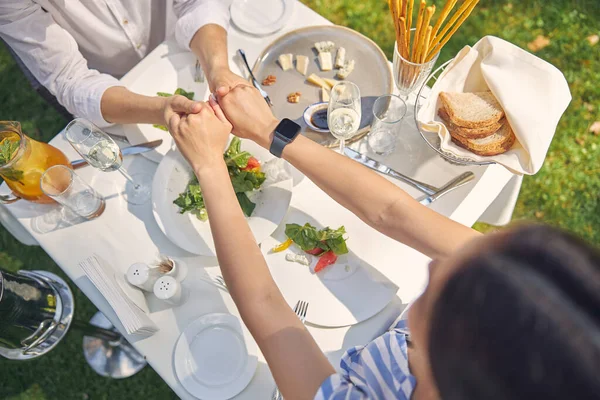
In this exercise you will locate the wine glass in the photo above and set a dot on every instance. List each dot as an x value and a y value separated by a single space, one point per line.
343 114
101 152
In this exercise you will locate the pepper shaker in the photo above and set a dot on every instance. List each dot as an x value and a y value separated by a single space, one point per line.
142 276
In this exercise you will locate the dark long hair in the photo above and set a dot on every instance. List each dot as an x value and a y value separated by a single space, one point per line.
521 321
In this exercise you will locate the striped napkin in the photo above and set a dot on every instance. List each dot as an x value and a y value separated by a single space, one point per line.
133 318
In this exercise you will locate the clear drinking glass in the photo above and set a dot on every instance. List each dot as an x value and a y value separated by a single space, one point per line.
344 113
101 152
67 188
388 113
410 76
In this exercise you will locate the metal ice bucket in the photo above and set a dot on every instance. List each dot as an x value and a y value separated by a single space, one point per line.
35 313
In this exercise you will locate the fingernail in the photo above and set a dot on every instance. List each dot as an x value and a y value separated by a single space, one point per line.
213 98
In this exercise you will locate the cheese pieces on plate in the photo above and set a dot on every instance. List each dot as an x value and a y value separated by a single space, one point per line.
302 64
285 61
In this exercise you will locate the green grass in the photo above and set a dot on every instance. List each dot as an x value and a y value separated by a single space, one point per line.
566 192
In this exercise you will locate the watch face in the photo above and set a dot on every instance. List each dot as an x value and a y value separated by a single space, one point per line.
288 129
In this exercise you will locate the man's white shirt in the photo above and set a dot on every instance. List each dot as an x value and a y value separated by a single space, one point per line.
78 48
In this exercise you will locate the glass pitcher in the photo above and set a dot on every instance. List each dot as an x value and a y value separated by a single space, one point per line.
23 161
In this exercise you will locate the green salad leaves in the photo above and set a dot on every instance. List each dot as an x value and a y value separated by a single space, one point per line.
309 238
245 174
180 91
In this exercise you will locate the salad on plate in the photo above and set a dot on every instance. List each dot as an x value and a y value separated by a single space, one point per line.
246 176
326 243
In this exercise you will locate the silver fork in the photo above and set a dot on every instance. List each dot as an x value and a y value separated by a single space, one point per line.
217 281
254 81
300 310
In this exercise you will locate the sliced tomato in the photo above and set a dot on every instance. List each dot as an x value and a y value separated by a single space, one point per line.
281 247
325 260
316 251
253 165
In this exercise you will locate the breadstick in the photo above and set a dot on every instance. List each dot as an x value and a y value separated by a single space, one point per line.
444 14
402 49
424 26
418 31
426 45
403 10
409 14
449 25
393 11
437 48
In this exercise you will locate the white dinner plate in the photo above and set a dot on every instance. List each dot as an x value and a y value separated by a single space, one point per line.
345 293
171 72
188 232
261 17
215 357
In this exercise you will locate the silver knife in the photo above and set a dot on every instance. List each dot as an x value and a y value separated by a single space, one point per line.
384 169
137 149
254 81
448 187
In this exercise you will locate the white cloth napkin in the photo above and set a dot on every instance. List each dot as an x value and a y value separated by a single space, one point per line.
131 316
533 93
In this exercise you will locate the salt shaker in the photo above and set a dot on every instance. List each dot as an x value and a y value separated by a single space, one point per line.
142 276
167 289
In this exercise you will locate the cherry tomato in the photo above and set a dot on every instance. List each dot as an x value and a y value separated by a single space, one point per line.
253 165
325 260
315 252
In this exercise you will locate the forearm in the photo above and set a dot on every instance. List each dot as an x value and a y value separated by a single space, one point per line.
121 106
209 44
378 202
278 332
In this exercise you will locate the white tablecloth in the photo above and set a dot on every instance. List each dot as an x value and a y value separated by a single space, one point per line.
125 234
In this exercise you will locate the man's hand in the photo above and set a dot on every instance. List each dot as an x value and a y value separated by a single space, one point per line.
178 105
201 137
249 114
223 80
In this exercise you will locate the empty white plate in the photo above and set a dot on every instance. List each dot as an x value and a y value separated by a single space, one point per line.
215 357
171 72
345 293
261 17
191 234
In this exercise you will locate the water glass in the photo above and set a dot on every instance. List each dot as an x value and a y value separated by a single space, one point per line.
388 114
410 76
64 186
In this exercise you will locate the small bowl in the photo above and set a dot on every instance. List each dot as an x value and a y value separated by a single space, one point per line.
310 111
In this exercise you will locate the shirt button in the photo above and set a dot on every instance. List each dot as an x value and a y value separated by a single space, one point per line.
139 45
125 21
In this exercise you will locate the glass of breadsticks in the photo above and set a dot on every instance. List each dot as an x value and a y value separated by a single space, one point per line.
418 48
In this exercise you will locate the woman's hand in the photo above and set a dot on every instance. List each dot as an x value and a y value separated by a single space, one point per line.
249 114
178 104
201 137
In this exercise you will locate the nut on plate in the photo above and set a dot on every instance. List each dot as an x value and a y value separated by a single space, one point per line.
269 80
294 97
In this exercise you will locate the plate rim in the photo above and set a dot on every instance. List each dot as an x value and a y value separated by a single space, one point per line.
269 48
229 389
289 9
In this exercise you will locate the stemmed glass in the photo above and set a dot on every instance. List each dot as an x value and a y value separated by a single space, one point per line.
343 114
101 152
409 76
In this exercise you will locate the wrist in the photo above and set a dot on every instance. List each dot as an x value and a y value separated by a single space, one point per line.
207 170
264 138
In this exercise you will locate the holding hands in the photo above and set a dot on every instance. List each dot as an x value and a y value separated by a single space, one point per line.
201 137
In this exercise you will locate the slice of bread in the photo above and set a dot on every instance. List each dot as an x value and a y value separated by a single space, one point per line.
498 143
470 133
472 110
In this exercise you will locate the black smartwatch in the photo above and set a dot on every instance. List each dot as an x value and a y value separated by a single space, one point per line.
284 134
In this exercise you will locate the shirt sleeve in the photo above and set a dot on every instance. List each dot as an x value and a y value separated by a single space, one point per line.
194 14
53 57
337 387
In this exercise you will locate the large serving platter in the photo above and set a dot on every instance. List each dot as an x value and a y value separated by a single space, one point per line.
372 74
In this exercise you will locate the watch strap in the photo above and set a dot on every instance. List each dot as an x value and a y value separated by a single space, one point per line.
277 145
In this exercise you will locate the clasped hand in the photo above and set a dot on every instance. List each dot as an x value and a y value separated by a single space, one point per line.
201 137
